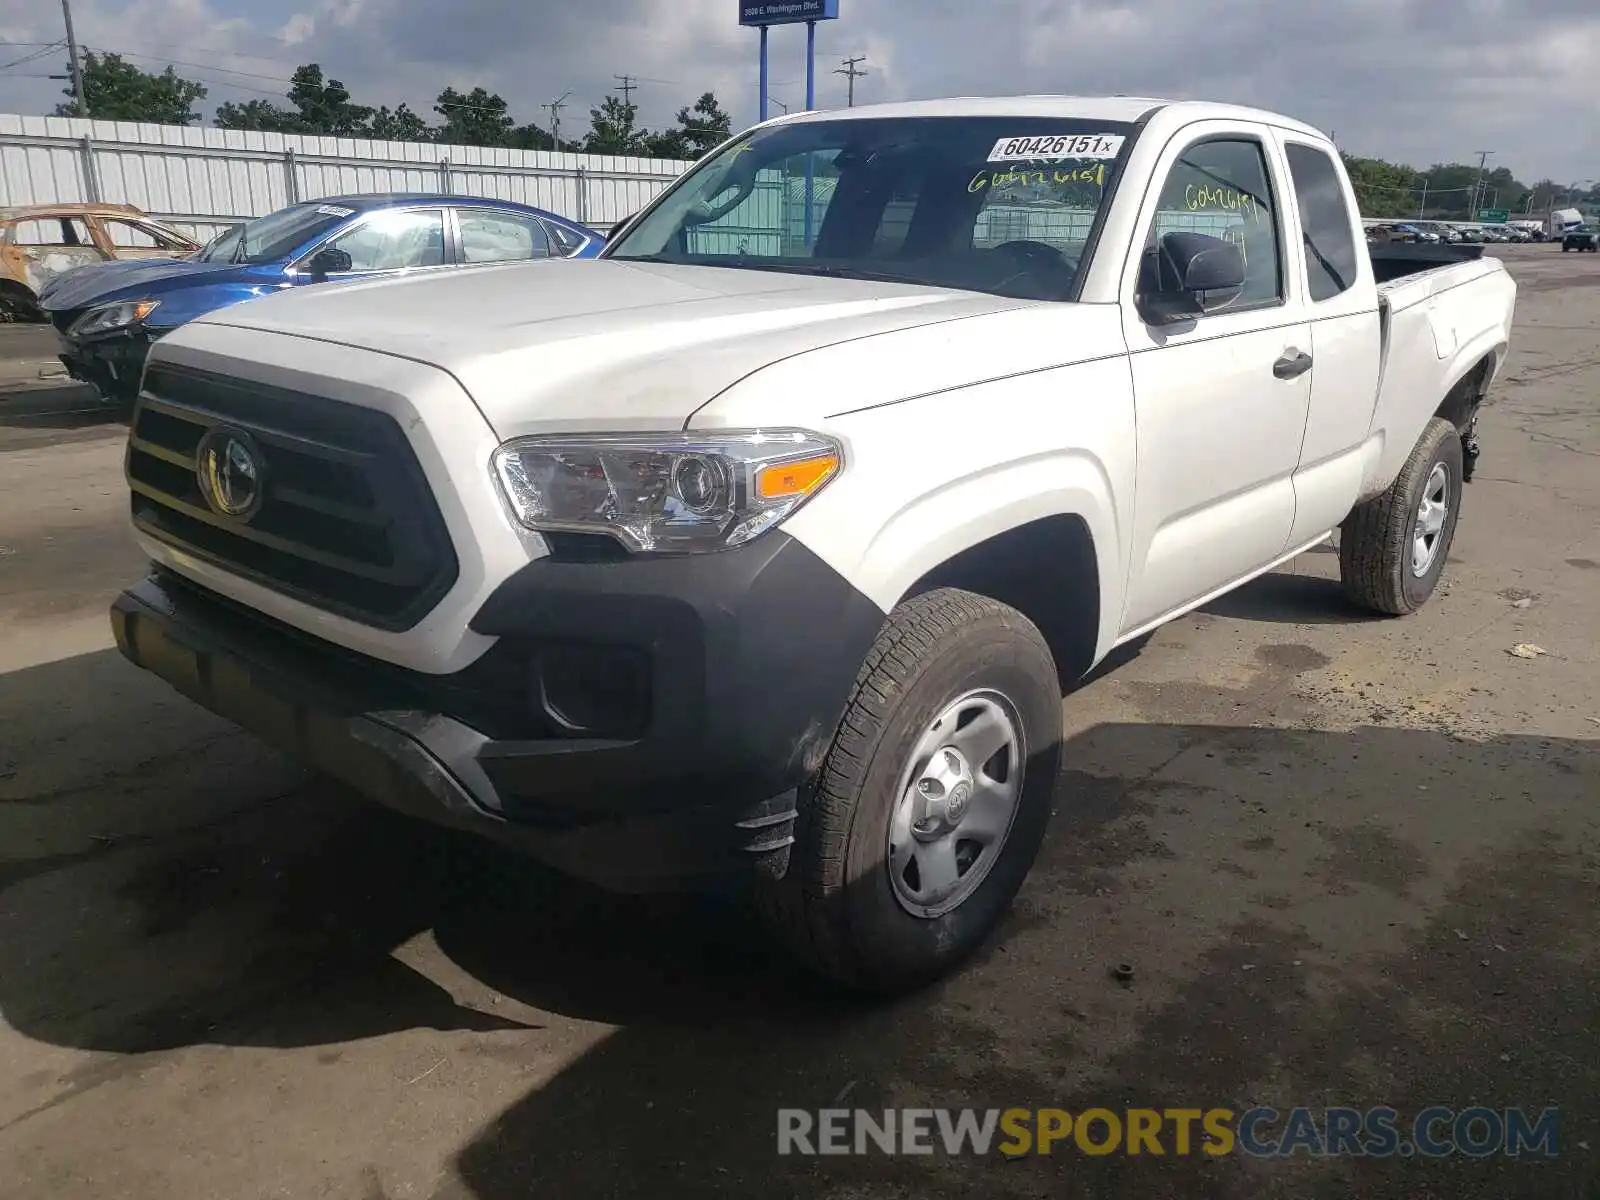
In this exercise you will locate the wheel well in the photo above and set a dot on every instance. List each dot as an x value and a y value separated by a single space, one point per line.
20 294
1048 571
1462 401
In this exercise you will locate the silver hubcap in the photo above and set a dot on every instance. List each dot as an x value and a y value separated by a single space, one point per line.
1429 525
957 799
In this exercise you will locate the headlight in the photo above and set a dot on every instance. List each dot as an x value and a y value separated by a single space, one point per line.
111 317
669 493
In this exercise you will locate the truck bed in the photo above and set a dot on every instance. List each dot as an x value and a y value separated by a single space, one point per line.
1439 322
1395 260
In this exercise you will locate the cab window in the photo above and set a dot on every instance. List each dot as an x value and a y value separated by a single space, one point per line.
1221 187
1330 246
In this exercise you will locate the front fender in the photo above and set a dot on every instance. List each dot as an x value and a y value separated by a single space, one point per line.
179 307
929 478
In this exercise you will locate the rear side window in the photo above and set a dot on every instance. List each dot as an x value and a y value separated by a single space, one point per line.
488 236
565 240
1330 246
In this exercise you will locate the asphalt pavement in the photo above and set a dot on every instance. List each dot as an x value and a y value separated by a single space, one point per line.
1348 861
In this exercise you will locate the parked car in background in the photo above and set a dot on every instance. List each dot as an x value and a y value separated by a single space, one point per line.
1581 237
44 241
1416 232
107 316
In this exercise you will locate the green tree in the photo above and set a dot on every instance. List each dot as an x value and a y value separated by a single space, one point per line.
668 143
532 137
614 129
118 91
1383 189
398 125
257 114
320 106
477 118
703 127
324 104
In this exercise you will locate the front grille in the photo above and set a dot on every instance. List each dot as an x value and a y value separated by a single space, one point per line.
346 521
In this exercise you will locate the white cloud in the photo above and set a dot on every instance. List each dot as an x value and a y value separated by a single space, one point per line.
1415 80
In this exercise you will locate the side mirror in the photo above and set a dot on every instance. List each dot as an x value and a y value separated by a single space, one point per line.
329 262
1188 275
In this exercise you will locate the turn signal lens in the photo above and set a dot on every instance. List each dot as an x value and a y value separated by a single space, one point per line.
780 481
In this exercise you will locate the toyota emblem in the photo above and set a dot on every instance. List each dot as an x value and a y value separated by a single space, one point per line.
229 469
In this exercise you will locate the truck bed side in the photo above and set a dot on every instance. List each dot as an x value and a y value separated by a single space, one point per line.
1444 332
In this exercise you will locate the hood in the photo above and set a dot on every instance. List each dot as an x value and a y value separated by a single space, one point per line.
102 283
603 344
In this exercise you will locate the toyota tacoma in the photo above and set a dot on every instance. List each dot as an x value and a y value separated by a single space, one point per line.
762 549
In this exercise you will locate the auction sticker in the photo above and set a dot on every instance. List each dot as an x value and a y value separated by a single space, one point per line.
1052 146
334 210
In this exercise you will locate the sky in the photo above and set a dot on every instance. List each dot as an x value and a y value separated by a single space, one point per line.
1418 81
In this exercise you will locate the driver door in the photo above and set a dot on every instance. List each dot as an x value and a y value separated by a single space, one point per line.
1222 400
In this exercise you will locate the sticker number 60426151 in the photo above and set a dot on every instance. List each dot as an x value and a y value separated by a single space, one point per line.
1054 146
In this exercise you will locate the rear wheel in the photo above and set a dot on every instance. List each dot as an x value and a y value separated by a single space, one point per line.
1392 549
933 800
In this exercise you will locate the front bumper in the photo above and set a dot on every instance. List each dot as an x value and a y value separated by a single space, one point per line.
112 365
644 724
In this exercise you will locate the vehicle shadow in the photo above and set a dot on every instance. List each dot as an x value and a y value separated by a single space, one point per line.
1400 916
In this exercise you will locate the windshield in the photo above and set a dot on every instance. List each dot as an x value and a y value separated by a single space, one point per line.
988 204
275 236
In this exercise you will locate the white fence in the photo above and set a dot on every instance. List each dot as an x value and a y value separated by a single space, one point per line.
203 180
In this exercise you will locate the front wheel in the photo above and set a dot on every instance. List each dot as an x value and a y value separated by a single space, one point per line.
933 800
1392 548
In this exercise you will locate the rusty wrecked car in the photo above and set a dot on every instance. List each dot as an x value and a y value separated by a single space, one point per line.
42 242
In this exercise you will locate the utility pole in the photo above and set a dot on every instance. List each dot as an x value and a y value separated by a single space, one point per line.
77 66
626 89
555 107
1477 188
852 73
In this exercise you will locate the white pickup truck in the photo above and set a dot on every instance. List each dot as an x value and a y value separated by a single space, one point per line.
764 547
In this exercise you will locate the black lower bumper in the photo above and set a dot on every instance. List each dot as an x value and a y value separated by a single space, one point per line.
113 366
644 724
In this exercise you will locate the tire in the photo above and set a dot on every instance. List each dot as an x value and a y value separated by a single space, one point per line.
837 906
1379 554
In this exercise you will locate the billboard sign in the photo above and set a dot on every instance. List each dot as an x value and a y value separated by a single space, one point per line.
786 12
1493 216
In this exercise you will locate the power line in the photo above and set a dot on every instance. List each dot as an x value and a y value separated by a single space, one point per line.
28 58
178 62
852 72
627 88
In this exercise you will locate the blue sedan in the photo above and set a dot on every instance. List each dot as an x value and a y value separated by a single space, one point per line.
107 315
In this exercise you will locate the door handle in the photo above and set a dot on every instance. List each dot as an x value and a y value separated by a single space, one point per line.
1292 364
